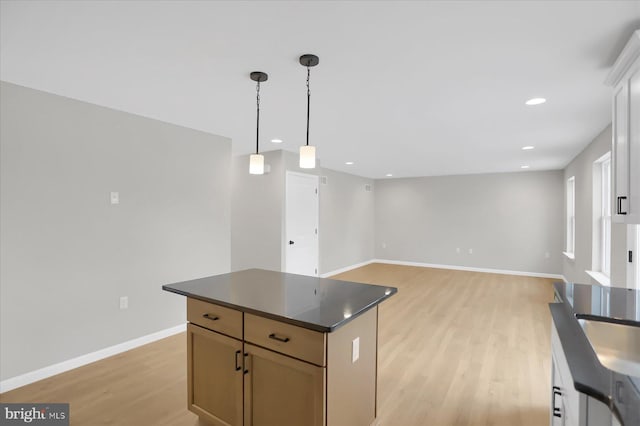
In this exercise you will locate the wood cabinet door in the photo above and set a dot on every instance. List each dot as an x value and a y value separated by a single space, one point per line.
214 375
283 391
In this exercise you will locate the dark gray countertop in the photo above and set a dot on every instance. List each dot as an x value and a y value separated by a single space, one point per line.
319 304
589 375
612 303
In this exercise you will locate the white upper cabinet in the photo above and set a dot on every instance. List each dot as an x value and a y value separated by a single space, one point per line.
625 79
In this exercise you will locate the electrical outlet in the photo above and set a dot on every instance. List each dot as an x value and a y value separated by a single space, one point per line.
384 245
458 250
547 255
470 251
124 303
355 349
115 197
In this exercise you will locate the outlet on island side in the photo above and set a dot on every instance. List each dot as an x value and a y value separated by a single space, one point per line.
124 303
355 349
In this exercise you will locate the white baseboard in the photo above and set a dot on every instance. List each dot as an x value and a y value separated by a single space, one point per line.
61 367
346 268
469 268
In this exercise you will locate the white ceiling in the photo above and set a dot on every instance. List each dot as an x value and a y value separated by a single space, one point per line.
411 88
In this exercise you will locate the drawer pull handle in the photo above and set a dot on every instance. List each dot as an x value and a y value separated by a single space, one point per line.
279 339
556 410
620 205
212 318
238 368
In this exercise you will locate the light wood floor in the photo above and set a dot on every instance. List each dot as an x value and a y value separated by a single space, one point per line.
455 348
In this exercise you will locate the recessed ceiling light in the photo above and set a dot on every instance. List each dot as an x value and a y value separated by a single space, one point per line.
524 167
536 101
349 163
276 140
389 175
527 148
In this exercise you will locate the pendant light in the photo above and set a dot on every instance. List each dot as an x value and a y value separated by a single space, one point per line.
256 161
308 152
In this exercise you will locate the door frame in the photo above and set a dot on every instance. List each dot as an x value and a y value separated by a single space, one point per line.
285 219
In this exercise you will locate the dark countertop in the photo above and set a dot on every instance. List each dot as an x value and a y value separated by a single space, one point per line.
620 392
319 304
594 301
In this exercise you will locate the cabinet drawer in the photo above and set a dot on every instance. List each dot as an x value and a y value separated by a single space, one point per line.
214 317
298 342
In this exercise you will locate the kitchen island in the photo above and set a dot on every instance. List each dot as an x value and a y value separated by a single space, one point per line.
271 348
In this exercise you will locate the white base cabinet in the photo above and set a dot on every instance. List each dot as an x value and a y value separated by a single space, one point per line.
568 406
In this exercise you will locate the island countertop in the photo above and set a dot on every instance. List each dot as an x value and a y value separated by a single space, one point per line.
315 303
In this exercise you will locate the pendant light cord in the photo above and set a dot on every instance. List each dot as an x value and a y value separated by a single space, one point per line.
257 115
308 101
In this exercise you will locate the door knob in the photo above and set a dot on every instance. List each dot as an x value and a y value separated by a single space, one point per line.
290 242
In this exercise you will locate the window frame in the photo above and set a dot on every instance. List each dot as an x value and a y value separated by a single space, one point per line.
570 222
604 217
601 223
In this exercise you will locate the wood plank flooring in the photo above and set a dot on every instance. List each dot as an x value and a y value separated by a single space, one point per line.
455 348
462 348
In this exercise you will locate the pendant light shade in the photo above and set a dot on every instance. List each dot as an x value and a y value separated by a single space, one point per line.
308 152
307 157
256 164
256 161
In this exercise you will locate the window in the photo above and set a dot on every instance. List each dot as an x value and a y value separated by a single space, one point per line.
571 218
601 235
604 221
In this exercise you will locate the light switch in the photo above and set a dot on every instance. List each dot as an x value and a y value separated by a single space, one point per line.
115 198
355 349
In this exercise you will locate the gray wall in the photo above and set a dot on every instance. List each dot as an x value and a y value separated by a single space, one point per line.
257 214
582 168
67 255
346 221
509 220
257 223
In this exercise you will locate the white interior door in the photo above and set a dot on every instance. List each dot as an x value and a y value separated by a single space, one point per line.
301 228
